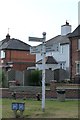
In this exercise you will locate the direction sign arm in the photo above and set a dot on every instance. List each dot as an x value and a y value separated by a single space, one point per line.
35 39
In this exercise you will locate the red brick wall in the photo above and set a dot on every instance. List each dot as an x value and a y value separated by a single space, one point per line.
70 93
71 90
73 93
74 56
20 56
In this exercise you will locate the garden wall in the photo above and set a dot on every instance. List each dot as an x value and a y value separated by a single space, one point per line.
72 91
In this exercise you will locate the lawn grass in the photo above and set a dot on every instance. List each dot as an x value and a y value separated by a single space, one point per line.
53 109
0 108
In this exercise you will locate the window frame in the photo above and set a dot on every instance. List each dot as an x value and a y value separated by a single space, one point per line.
63 65
78 44
78 67
61 49
2 54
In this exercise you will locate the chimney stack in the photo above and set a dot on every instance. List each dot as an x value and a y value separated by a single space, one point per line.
65 29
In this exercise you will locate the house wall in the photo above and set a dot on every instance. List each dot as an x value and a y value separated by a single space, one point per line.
48 66
59 57
75 56
19 56
62 55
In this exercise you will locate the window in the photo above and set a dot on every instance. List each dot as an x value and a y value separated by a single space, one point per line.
78 68
62 65
50 68
61 49
78 44
2 54
57 48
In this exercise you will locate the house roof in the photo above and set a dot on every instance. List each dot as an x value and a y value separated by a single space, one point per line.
75 33
13 44
48 60
55 40
58 39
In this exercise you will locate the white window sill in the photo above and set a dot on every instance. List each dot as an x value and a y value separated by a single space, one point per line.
77 74
77 50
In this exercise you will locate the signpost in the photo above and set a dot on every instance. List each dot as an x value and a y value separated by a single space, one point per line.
35 39
35 50
38 49
43 64
43 71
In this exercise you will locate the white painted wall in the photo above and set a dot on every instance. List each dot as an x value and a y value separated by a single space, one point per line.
60 56
48 66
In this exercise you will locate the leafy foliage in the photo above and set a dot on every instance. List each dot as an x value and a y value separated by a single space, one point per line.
35 78
3 81
0 77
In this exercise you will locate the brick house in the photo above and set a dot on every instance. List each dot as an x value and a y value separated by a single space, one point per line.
75 54
17 53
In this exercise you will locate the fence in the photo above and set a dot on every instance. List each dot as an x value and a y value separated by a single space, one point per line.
22 76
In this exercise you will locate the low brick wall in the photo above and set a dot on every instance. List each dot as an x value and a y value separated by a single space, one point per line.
6 93
72 91
51 94
69 93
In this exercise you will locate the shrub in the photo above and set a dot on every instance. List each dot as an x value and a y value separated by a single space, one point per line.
3 81
34 78
0 77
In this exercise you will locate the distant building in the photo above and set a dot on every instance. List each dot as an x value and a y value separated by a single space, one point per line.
15 52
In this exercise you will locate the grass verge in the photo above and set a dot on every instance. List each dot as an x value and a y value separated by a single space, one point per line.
53 108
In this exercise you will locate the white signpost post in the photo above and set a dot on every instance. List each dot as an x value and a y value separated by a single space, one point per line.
43 64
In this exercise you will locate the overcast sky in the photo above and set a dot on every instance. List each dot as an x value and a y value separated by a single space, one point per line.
26 18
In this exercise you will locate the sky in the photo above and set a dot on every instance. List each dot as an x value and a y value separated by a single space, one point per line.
26 18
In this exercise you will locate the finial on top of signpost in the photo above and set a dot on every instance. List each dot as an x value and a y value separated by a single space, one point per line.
44 33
